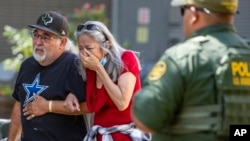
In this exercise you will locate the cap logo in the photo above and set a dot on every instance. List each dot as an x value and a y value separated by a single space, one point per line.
63 33
47 19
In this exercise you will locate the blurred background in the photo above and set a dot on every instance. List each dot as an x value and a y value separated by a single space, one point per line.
147 26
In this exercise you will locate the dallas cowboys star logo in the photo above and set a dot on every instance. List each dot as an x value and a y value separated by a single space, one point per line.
47 19
32 89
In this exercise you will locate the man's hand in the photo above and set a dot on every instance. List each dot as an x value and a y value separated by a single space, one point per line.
71 103
36 108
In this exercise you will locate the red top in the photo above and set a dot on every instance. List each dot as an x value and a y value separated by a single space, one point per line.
99 102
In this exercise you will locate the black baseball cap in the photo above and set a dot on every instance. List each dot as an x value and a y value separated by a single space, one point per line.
53 22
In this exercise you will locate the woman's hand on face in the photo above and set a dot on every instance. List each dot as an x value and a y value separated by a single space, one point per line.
89 60
71 103
36 108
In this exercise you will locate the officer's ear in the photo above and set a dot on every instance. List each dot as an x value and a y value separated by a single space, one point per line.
195 15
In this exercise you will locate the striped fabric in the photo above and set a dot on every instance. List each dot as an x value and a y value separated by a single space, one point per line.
127 129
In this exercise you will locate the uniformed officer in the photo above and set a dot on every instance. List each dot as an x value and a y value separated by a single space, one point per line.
175 101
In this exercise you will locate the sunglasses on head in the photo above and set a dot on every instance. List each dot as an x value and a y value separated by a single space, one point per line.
90 27
182 9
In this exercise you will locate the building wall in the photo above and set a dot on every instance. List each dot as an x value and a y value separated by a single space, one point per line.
20 13
242 21
159 27
143 27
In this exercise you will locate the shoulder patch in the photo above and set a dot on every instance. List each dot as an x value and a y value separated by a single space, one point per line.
158 71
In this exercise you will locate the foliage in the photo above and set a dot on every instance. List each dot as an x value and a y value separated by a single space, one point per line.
5 90
21 49
126 44
86 13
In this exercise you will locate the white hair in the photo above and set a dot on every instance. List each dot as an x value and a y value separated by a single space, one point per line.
114 64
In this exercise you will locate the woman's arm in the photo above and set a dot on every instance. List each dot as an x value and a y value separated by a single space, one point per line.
121 92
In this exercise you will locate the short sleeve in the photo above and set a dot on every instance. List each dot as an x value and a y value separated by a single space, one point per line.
76 84
130 63
16 89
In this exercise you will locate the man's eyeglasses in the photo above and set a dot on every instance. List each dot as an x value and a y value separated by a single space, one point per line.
91 27
44 38
182 9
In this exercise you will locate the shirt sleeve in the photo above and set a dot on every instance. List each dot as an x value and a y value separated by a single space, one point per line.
76 84
154 105
16 89
130 63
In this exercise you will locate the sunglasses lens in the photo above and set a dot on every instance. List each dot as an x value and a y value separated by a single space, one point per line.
91 27
79 27
88 27
182 10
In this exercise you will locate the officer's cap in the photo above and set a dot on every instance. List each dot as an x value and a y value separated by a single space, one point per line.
219 6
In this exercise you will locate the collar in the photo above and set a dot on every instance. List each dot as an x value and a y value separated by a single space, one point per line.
213 29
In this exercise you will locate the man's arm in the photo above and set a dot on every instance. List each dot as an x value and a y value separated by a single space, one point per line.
15 124
42 106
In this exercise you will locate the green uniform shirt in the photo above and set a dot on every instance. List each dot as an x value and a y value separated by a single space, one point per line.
183 77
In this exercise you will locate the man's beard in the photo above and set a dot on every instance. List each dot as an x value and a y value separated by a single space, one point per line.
38 57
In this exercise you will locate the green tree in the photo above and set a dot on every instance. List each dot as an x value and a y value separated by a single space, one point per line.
5 90
21 46
21 49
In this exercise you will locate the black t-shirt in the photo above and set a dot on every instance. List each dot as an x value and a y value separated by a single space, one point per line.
52 82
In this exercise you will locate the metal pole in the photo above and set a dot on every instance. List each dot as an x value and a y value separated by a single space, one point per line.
114 17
